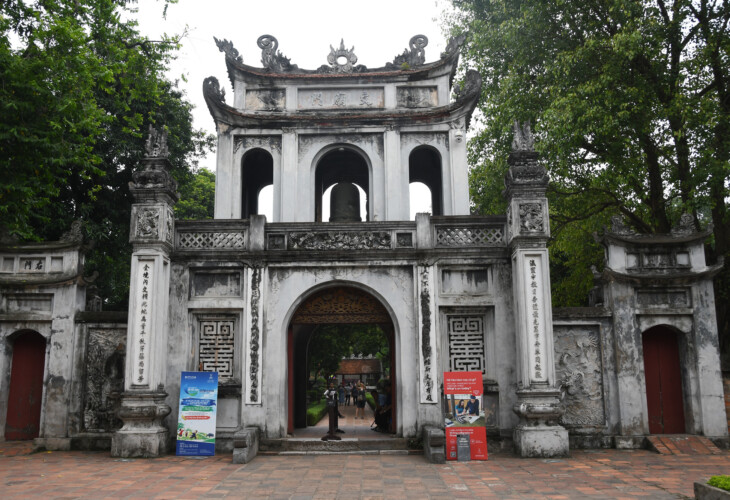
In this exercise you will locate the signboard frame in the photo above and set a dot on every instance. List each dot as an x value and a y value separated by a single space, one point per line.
197 412
464 413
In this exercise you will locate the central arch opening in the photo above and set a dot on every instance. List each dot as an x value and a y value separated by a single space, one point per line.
341 165
340 334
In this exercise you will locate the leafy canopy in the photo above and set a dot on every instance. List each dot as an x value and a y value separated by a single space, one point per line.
78 87
630 102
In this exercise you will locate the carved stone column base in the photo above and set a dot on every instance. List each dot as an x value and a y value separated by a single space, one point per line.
538 434
541 442
142 435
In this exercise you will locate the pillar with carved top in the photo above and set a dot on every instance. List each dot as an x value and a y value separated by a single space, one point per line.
538 433
143 404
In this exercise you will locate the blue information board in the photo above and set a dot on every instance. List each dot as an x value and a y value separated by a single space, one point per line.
197 414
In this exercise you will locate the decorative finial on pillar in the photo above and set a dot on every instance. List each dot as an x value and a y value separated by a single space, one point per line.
522 140
156 145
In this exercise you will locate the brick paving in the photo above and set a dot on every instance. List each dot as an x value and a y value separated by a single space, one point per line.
587 474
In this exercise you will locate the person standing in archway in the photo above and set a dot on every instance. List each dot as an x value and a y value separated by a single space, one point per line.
360 401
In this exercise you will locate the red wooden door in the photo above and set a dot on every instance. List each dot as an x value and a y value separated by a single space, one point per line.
26 387
663 382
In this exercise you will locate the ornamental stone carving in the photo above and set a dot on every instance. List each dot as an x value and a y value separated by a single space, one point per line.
619 226
254 343
156 144
148 223
104 379
455 43
685 226
271 58
230 51
342 60
212 89
340 240
425 299
522 138
531 218
579 375
416 56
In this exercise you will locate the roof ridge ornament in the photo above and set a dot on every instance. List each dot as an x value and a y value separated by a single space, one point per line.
228 48
455 43
271 58
335 56
409 58
685 225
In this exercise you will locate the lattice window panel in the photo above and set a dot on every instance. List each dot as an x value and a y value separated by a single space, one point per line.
466 343
216 347
210 241
469 236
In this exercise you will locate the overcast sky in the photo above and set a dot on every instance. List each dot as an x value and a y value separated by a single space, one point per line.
305 29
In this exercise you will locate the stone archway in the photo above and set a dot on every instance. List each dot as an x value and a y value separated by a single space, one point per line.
25 396
339 305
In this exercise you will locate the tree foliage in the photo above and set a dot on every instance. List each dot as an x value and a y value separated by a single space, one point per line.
197 197
630 102
78 88
331 343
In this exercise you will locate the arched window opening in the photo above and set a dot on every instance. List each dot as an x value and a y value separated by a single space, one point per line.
340 165
424 166
257 172
420 196
266 202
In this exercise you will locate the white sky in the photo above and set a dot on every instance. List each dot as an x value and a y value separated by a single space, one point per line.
305 29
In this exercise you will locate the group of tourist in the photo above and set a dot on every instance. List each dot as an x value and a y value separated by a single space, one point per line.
355 392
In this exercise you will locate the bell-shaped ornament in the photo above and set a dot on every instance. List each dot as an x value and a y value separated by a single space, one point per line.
345 203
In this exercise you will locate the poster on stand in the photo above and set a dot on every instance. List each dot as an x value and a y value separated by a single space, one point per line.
464 413
197 414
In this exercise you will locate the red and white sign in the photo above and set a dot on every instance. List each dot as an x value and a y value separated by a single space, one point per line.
464 413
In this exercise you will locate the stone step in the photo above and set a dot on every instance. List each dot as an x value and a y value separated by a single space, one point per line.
682 444
300 446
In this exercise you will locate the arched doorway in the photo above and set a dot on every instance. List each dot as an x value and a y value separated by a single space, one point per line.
25 396
340 305
664 400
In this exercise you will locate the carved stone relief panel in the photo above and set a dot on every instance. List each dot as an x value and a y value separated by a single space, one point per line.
341 306
662 297
531 218
147 222
269 143
215 284
424 139
416 97
266 99
340 240
104 378
579 373
361 97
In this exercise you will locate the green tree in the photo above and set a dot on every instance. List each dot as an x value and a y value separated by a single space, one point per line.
197 197
78 88
331 343
630 102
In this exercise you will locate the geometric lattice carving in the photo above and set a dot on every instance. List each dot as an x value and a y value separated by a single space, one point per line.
469 236
466 342
216 347
341 306
210 241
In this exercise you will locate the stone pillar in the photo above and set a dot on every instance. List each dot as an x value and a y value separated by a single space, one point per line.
293 206
151 233
458 182
538 398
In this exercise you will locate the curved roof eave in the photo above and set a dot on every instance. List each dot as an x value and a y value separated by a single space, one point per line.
462 107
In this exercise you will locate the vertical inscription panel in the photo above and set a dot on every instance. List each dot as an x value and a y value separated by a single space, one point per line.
142 315
533 295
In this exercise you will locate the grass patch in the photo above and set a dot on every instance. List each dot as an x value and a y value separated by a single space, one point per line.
315 412
722 482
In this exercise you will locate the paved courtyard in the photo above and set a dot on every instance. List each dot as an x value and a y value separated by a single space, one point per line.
587 474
